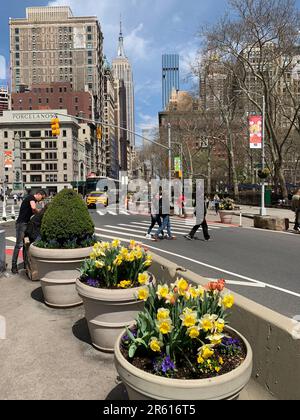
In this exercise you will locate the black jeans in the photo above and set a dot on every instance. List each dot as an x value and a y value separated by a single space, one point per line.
297 219
155 218
20 234
204 229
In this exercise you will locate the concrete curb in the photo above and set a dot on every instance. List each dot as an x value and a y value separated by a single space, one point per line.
276 353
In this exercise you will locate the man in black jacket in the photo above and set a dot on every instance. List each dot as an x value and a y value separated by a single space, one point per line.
27 209
204 225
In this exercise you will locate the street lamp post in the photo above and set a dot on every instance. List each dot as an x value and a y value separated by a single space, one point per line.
263 211
170 153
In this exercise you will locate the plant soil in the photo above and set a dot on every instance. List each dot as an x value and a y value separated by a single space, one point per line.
183 369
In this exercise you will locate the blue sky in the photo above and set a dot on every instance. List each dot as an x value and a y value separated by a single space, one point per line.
151 28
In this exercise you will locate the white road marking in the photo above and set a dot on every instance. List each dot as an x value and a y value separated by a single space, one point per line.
144 229
271 286
242 283
11 239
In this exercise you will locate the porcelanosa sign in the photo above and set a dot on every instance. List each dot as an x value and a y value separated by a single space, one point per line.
32 116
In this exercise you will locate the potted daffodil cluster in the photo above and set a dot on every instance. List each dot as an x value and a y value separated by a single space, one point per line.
110 280
181 346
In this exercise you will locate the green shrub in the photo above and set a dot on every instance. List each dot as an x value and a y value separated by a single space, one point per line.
67 222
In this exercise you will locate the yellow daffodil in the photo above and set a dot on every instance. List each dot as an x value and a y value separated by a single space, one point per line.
109 268
155 345
221 361
162 291
200 360
148 261
116 243
189 318
217 369
206 352
105 245
124 252
99 264
125 284
193 332
130 257
162 314
200 292
215 339
207 322
182 286
165 326
193 292
143 278
228 301
93 256
143 293
118 260
220 325
132 243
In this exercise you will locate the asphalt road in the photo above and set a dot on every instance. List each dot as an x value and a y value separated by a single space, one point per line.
261 265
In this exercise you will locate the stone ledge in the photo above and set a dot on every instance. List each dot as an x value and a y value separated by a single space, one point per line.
271 223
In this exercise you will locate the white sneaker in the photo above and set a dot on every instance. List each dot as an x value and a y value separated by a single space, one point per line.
148 236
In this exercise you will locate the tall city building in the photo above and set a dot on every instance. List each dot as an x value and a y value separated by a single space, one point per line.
51 45
170 77
110 132
4 99
122 71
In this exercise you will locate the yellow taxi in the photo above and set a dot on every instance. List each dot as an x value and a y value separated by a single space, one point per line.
96 197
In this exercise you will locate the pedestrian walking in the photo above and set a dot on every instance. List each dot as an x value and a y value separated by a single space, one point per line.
155 215
296 209
15 197
217 203
166 224
204 225
27 209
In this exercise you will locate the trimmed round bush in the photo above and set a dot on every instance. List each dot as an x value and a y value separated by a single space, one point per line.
67 220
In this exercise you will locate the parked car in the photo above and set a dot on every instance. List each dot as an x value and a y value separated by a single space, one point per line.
96 197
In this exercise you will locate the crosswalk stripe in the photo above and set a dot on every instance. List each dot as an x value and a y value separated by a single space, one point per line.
180 226
121 233
11 239
145 226
134 229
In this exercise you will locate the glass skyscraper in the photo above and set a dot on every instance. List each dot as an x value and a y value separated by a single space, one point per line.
170 76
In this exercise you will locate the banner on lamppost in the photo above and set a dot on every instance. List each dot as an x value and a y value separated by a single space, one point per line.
8 159
255 129
177 164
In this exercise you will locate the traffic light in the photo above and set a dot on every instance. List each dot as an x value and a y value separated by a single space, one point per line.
55 127
99 133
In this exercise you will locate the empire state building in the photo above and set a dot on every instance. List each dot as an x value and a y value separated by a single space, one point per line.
122 71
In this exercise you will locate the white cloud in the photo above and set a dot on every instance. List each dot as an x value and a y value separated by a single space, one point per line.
148 122
2 68
136 45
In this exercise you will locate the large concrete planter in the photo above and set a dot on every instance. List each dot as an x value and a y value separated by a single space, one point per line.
226 216
108 312
141 385
58 270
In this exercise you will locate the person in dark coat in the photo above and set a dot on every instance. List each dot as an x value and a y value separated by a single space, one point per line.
204 225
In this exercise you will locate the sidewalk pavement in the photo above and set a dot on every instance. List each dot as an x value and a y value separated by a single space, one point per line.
249 211
47 353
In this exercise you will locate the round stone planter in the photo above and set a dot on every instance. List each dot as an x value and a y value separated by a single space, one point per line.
226 216
58 270
141 385
108 312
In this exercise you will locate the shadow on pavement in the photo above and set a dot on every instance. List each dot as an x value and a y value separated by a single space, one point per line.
81 331
118 393
37 295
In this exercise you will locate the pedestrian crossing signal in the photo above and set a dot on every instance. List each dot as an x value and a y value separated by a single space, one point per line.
55 127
